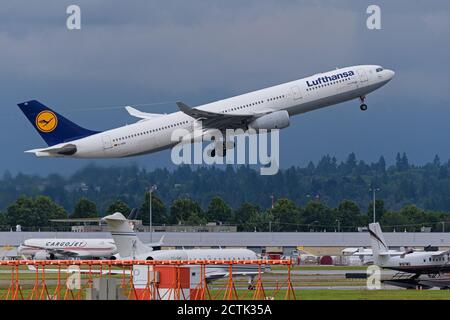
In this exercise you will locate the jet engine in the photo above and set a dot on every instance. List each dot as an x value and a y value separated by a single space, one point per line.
44 255
274 120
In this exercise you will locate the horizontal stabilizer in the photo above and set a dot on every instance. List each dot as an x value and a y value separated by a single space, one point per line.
61 150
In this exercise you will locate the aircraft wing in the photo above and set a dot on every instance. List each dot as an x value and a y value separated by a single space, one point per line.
60 149
218 120
142 115
61 252
156 245
388 254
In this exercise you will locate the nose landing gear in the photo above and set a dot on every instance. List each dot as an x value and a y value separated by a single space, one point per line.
363 106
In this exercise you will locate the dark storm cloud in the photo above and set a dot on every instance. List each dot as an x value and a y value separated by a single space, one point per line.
198 51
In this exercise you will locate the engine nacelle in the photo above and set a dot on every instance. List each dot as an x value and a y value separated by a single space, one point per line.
43 255
274 120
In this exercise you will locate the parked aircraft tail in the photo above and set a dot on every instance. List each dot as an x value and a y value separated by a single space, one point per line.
379 245
126 240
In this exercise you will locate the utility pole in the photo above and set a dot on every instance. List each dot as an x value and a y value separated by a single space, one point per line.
150 191
270 226
374 190
443 226
339 225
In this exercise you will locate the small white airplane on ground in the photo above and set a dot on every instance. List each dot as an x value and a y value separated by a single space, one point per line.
269 108
412 265
130 247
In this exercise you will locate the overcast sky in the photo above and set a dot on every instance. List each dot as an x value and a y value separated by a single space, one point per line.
142 52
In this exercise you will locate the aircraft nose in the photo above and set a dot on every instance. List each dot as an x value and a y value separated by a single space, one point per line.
390 74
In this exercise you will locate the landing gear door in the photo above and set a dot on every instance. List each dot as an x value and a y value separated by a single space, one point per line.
106 142
363 79
296 93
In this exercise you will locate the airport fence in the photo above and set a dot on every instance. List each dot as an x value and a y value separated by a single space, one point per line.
144 280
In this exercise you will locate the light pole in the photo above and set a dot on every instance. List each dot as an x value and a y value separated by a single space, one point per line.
374 190
150 191
339 225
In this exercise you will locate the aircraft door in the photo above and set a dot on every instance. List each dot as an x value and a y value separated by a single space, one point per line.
106 142
296 93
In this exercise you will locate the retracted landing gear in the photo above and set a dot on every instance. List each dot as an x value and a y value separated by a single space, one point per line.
363 106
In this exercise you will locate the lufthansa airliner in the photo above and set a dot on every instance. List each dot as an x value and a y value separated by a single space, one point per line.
269 108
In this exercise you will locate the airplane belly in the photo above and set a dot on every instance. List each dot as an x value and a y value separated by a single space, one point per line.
349 93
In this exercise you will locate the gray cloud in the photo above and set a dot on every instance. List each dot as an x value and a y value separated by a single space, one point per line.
198 51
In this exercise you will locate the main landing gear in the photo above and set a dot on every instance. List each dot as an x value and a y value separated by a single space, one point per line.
363 106
221 148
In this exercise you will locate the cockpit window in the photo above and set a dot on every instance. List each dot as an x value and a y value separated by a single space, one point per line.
379 69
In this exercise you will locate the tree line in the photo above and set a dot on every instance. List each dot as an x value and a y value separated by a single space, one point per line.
93 189
400 184
35 213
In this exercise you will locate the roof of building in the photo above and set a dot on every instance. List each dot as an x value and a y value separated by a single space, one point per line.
253 239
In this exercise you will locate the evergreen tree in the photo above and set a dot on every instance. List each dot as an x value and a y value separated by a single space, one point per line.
118 206
348 215
159 212
284 215
379 210
248 217
33 212
182 209
218 210
85 208
437 161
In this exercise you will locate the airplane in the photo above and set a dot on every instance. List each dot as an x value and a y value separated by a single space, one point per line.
130 247
53 248
412 265
269 108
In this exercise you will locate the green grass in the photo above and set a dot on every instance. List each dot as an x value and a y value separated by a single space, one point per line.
348 294
321 294
373 295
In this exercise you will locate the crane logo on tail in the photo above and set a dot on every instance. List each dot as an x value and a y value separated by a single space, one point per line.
46 121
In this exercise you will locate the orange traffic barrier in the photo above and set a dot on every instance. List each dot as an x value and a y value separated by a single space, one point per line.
140 280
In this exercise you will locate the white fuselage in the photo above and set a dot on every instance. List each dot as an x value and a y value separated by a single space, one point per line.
92 248
417 262
212 271
300 96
